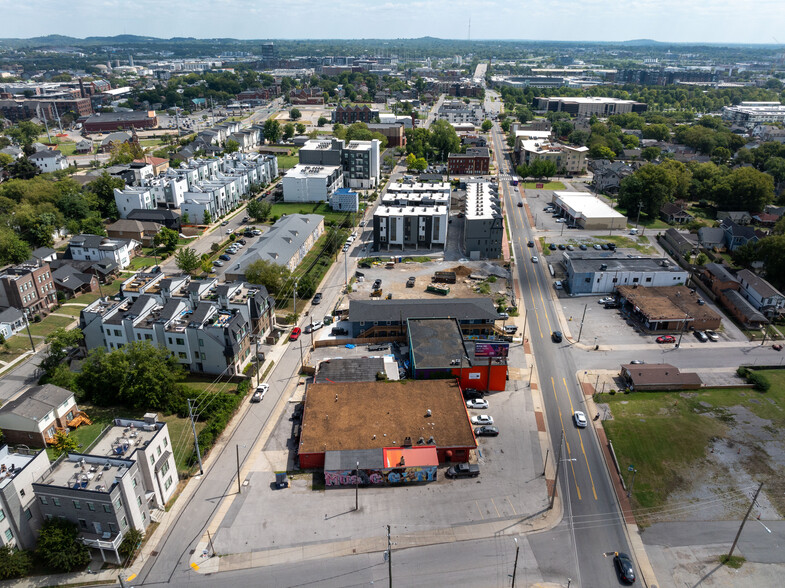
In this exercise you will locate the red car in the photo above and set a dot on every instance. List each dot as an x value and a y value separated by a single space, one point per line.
666 339
295 334
777 347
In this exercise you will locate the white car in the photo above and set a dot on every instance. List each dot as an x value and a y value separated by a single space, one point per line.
607 300
580 419
561 220
477 403
482 419
313 326
261 390
535 259
229 231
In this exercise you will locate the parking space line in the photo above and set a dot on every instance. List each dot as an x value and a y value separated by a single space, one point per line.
496 509
479 510
507 498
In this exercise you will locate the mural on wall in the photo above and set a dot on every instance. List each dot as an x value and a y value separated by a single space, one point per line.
380 477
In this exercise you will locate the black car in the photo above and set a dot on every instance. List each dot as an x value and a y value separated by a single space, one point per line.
339 331
486 431
376 283
604 247
556 337
469 393
552 247
582 247
463 470
562 247
624 567
611 246
530 243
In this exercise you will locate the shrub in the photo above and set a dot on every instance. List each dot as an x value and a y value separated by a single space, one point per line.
759 382
612 392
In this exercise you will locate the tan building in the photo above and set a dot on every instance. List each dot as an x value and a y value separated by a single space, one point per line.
568 159
141 231
34 416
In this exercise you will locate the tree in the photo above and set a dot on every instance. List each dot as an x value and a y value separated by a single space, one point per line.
745 189
259 211
295 114
14 563
652 186
123 153
288 131
271 275
659 132
185 219
300 128
272 130
322 121
167 239
187 260
487 125
59 547
650 153
13 249
22 169
59 341
132 540
443 139
25 133
138 375
578 137
207 218
63 443
542 168
231 146
601 152
103 188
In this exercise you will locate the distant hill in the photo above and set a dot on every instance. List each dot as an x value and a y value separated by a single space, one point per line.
641 42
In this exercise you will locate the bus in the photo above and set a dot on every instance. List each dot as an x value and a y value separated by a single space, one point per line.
514 181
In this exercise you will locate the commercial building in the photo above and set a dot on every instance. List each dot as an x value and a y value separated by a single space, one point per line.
754 113
311 183
483 223
658 376
589 105
28 287
438 350
286 243
33 417
588 273
20 517
587 211
345 199
387 319
108 122
668 308
476 161
370 416
393 132
568 159
122 484
409 227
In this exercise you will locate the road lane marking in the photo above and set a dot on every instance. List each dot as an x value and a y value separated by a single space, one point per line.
583 449
567 443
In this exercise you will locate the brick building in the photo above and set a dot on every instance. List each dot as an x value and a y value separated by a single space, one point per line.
29 287
476 161
107 122
347 115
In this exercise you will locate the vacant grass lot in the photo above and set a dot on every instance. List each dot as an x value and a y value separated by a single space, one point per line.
545 185
307 208
641 244
666 434
287 161
108 290
49 324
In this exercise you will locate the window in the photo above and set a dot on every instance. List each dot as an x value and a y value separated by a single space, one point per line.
180 341
22 492
56 501
124 522
165 468
133 483
48 517
648 280
90 506
77 505
118 503
201 342
43 500
158 449
168 483
144 517
182 355
152 460
112 528
2 515
28 514
166 442
170 340
107 508
82 524
139 500
8 535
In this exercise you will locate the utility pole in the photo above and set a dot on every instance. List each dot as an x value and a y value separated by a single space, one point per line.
744 520
523 338
346 269
765 332
389 556
357 486
27 325
196 439
239 487
558 464
294 297
640 205
302 362
585 307
515 567
681 333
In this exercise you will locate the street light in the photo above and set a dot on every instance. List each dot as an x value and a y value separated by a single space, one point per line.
515 567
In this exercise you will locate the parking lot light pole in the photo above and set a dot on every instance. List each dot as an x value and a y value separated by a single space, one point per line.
357 486
515 566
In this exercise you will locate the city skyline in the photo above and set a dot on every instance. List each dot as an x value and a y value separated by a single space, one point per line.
669 21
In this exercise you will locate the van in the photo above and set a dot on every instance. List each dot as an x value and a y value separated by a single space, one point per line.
633 231
558 285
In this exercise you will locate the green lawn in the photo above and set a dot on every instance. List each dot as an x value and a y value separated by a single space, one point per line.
150 142
70 310
49 324
663 433
67 148
287 161
621 241
307 208
545 185
16 346
108 290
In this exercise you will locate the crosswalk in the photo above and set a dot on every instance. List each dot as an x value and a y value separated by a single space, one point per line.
505 177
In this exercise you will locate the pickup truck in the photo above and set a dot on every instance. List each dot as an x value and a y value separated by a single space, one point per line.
463 470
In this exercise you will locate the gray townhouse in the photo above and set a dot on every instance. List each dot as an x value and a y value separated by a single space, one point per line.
20 517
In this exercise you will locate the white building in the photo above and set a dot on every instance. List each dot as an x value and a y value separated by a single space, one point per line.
20 517
410 227
49 161
311 183
587 211
345 199
129 199
753 113
168 191
95 248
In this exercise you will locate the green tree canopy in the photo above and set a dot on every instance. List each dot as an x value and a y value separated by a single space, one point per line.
295 114
25 132
288 131
231 146
59 548
272 130
487 125
187 260
443 139
272 276
167 239
14 563
59 341
259 210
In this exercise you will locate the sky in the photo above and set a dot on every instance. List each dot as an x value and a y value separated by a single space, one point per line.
709 21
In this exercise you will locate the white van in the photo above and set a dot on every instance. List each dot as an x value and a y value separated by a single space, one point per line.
633 231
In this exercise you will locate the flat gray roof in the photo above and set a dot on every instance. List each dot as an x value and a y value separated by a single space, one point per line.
583 264
436 343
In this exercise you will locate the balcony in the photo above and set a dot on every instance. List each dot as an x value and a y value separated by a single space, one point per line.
105 540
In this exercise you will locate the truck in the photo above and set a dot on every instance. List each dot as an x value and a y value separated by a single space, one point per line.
444 277
463 470
438 289
376 293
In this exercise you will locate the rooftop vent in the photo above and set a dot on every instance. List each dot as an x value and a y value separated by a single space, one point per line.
428 412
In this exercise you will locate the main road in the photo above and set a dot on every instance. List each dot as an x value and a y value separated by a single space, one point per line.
591 508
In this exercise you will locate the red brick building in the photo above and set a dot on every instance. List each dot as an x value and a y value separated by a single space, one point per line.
476 161
29 287
347 115
108 122
307 96
393 132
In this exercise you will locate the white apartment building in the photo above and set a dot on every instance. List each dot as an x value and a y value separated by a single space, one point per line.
410 227
129 199
311 183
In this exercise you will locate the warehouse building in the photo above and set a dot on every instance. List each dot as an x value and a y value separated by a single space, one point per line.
589 273
378 423
587 211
